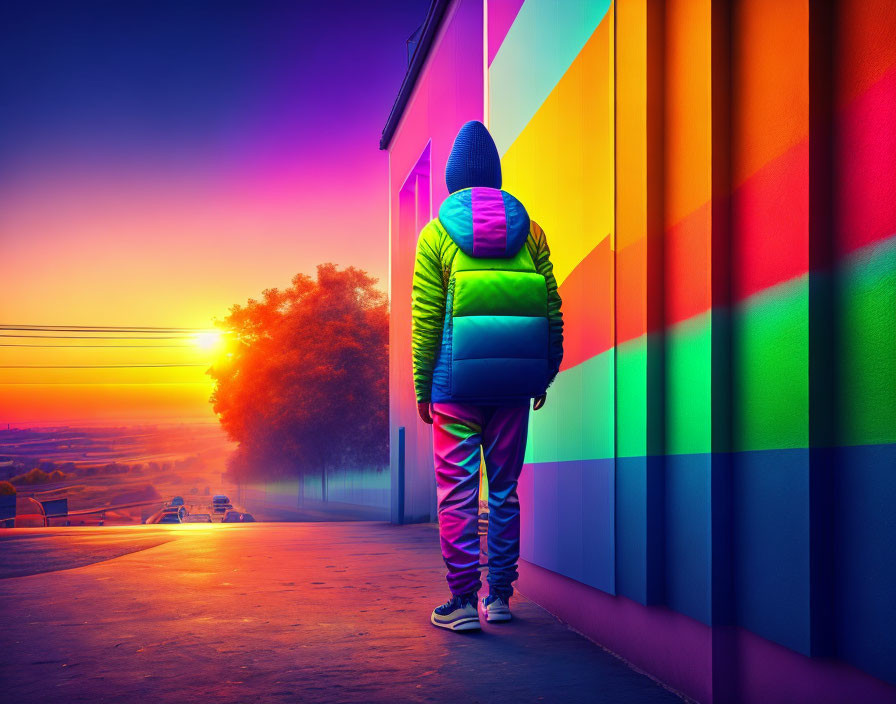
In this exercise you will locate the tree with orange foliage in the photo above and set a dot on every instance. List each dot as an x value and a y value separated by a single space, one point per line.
303 386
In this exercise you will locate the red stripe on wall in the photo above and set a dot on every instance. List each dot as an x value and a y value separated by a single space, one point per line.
866 162
770 213
631 290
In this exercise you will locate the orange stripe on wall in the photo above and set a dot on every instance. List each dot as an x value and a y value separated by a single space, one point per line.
587 295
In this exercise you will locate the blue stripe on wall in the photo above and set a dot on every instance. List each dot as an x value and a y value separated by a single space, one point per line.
669 529
865 550
639 513
568 519
771 545
688 542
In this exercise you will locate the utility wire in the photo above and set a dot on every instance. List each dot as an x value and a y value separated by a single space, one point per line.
105 383
102 347
96 366
105 328
104 337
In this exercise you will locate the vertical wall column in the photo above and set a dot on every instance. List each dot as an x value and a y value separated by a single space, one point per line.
823 334
864 152
697 357
639 300
777 241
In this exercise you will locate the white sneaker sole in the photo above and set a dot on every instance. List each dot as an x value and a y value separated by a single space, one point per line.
494 614
466 623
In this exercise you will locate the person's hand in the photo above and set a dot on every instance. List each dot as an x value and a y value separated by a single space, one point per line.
539 401
425 414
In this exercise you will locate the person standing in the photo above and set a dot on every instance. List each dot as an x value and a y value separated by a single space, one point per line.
487 339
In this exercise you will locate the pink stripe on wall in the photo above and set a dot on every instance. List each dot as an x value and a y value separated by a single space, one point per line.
501 14
489 223
711 665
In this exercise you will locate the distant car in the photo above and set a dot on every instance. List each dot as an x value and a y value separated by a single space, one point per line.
169 518
221 504
177 501
238 517
29 513
198 518
180 511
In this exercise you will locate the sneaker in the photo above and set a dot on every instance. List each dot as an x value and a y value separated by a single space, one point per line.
457 614
496 608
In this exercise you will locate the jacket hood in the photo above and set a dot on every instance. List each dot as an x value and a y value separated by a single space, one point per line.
473 160
485 222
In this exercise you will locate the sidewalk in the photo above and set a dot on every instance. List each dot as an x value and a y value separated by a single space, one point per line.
313 612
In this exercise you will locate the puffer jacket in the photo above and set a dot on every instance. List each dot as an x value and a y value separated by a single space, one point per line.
487 325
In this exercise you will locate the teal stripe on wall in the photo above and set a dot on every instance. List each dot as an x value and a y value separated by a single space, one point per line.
577 422
543 42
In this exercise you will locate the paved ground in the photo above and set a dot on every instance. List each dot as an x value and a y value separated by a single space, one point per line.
322 612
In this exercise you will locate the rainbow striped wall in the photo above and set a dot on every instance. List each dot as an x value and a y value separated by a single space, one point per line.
720 440
711 489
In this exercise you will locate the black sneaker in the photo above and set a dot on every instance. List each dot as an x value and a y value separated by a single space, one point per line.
457 614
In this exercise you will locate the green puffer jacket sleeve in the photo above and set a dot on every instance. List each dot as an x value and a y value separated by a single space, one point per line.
541 255
428 307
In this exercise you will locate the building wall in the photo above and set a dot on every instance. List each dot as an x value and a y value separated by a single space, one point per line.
709 490
448 93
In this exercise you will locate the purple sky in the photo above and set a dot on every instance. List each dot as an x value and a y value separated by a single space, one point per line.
161 161
202 125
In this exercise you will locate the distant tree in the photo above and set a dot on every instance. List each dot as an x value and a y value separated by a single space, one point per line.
304 386
38 476
7 489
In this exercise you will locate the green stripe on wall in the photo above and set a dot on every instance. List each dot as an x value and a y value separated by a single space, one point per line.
770 350
771 368
577 420
867 349
631 398
688 409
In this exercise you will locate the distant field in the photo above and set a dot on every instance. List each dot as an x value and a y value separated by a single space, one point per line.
118 444
99 466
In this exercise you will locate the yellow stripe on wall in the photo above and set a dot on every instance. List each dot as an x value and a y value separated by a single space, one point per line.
561 165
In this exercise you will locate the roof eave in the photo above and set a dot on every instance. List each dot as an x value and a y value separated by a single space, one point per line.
430 27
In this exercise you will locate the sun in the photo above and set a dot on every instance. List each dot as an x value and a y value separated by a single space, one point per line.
208 340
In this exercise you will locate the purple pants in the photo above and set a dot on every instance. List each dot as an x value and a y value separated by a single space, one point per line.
459 430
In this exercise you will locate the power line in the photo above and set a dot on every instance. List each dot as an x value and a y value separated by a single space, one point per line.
105 383
105 328
102 347
205 384
103 337
96 366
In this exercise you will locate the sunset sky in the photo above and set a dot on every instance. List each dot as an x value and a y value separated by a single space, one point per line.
160 161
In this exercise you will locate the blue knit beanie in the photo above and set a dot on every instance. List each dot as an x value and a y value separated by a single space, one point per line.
474 159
